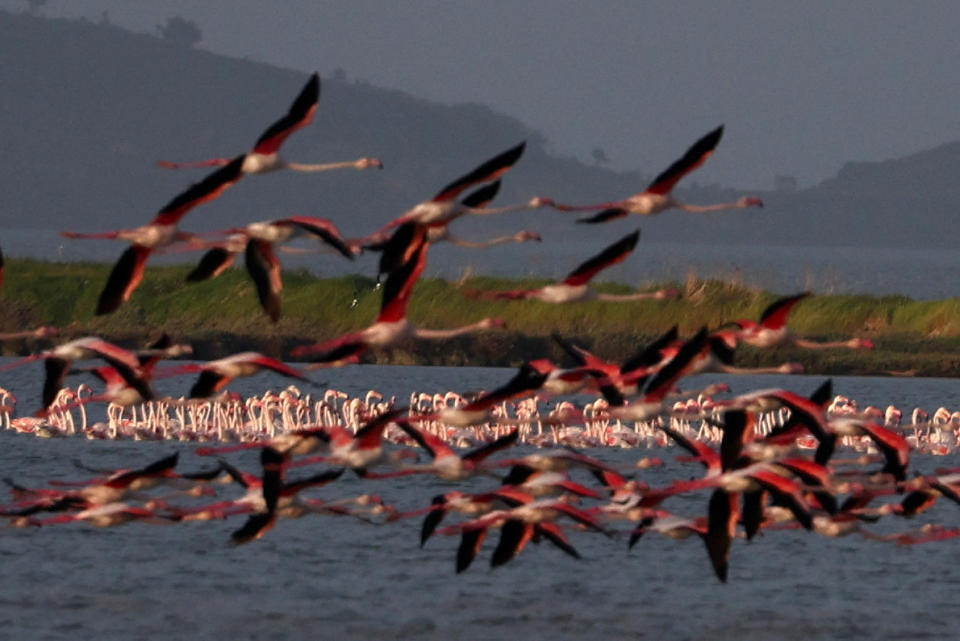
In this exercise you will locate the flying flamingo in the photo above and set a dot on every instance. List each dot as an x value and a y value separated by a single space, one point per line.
772 329
264 156
258 242
442 209
58 360
657 197
394 244
216 375
391 326
576 286
162 231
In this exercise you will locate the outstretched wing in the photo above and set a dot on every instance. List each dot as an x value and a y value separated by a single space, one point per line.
323 229
300 115
612 255
695 156
124 279
490 170
198 193
264 268
775 316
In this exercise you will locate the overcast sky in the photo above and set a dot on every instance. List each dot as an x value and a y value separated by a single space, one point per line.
803 87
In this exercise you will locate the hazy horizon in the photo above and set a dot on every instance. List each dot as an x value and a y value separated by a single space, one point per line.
802 89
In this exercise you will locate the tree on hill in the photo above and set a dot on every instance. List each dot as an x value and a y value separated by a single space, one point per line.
180 31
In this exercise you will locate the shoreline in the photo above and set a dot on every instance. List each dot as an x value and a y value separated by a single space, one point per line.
913 338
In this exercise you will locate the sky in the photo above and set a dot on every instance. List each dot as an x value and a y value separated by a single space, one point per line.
802 87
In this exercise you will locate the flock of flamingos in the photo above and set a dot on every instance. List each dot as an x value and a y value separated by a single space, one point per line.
768 456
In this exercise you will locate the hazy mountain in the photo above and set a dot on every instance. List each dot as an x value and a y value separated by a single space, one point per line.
88 109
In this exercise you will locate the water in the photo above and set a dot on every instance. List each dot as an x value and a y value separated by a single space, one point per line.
919 274
326 577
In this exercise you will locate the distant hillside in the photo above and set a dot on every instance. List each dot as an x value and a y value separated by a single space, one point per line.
88 109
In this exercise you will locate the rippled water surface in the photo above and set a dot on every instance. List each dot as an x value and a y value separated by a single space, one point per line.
338 578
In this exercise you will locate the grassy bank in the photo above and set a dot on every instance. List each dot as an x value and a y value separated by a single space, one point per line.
222 316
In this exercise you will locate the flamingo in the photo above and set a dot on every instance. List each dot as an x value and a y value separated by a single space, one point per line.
264 156
391 326
257 241
772 329
442 209
59 360
576 286
160 232
657 197
216 375
394 245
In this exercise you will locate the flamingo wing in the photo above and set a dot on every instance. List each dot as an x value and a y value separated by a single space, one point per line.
399 248
695 156
124 279
605 215
775 316
212 264
433 518
1 268
612 255
323 229
56 371
300 115
514 536
434 446
651 354
480 453
470 542
553 533
371 434
490 170
264 268
399 286
198 193
255 527
721 525
481 197
208 383
660 384
527 379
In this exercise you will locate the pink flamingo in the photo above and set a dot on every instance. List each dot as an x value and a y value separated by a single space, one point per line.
391 327
657 197
576 286
772 329
160 232
264 156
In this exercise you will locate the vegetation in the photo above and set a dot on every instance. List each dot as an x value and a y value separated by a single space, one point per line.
223 316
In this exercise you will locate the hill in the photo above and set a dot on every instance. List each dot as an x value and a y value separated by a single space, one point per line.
89 108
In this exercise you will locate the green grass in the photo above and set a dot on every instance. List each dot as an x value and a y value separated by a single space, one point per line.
223 315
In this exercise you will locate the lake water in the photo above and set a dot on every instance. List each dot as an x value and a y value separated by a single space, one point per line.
325 577
919 274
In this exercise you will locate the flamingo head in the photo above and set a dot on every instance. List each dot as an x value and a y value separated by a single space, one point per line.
860 343
367 163
524 236
490 323
750 201
540 201
45 331
791 368
667 294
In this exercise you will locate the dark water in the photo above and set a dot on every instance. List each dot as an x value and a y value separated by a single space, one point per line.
919 274
325 577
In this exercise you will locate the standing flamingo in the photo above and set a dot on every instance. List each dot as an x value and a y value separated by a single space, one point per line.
264 156
576 286
657 197
162 231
